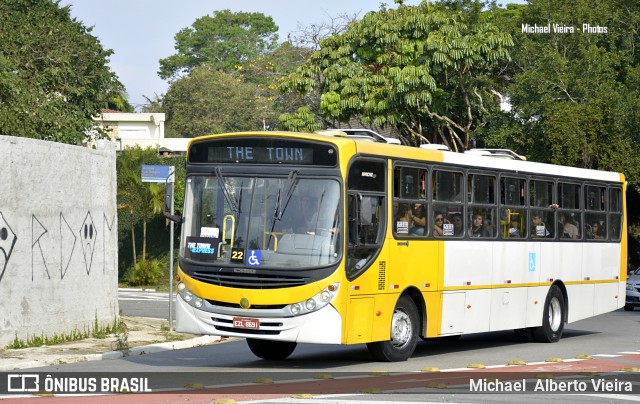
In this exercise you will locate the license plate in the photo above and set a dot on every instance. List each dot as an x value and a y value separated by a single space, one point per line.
251 323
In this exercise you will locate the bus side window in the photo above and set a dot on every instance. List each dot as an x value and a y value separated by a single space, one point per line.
366 213
615 214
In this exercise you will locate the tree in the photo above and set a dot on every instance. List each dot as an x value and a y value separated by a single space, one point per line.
138 202
53 73
575 95
264 72
208 101
427 70
303 120
223 42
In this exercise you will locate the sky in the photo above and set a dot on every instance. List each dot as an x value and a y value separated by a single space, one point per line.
141 32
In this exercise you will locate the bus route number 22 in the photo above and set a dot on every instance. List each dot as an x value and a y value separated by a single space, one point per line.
237 255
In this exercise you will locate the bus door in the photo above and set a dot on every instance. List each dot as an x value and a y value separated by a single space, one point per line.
365 258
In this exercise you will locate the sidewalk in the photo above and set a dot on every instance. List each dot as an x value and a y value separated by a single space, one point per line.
144 335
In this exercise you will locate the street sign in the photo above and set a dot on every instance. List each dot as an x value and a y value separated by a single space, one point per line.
159 174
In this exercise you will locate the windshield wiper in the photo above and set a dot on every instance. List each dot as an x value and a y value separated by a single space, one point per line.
292 179
231 201
290 185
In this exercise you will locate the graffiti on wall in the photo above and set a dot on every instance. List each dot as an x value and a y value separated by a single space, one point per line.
88 237
7 241
53 250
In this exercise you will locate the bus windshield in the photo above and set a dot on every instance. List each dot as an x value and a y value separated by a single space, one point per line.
274 222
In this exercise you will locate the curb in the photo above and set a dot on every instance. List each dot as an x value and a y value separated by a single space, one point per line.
153 348
140 350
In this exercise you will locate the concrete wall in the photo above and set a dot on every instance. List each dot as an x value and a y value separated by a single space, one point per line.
58 238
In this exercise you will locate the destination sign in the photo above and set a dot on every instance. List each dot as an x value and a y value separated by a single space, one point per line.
270 155
263 151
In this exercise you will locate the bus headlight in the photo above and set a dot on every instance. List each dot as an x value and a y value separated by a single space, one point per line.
629 286
189 297
316 302
310 305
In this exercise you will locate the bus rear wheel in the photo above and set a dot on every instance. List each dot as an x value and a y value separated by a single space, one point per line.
271 350
404 334
553 317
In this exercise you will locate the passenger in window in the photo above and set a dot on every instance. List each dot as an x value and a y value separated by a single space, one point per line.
477 228
417 220
569 228
401 218
514 228
538 228
593 231
456 220
438 221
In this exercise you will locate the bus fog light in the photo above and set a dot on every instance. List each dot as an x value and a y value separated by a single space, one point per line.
188 296
310 304
295 309
198 302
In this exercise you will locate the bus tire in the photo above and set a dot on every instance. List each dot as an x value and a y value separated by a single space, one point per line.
404 334
628 307
271 350
553 317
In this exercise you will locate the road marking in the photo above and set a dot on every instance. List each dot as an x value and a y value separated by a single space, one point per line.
137 295
614 397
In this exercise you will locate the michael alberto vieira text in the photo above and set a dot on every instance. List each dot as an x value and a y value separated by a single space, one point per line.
550 386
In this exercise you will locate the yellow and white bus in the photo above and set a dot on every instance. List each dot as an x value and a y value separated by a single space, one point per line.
310 238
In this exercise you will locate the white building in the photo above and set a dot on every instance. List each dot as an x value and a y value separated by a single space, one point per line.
140 129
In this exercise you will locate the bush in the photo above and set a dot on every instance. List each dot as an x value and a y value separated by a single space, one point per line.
146 273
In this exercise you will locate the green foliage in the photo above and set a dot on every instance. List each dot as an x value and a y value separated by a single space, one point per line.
146 272
208 101
99 331
53 73
303 120
426 70
264 72
576 95
141 203
223 41
122 339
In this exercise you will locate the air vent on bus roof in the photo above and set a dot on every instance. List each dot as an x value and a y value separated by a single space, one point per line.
336 133
500 153
434 146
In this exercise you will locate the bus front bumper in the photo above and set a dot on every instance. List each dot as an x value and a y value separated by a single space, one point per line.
320 327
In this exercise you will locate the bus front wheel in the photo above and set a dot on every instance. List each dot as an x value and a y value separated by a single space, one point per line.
271 350
404 334
553 317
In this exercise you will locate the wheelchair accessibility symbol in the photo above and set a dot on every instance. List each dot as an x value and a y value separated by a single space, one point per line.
532 262
254 258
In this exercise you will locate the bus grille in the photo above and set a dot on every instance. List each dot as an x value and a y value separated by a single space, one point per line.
251 281
247 331
220 325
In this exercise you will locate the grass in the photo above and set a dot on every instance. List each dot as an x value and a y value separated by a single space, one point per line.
98 331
